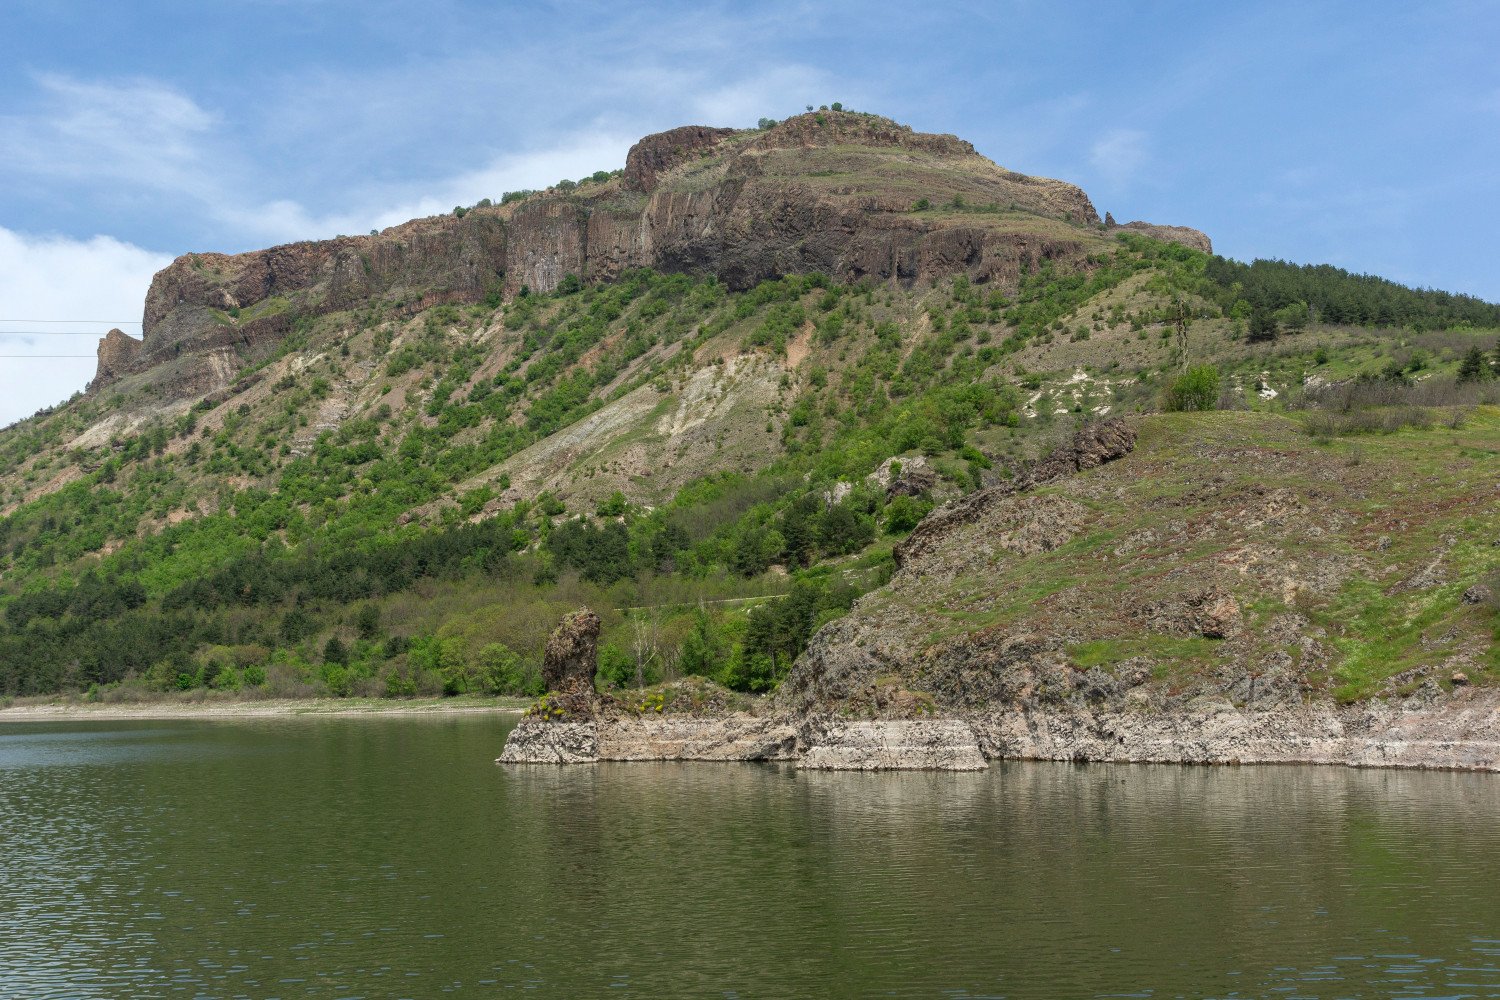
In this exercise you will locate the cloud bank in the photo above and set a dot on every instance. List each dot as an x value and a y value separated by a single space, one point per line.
43 278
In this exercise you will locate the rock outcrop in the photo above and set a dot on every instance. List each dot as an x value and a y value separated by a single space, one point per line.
1169 234
891 745
117 352
656 154
1092 446
571 657
909 476
835 192
1463 733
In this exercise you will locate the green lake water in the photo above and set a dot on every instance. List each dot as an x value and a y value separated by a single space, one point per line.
390 857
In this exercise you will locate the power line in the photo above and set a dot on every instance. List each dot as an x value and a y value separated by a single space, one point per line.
102 322
46 357
52 333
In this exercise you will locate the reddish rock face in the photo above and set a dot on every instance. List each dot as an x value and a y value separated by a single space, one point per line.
834 192
656 154
116 353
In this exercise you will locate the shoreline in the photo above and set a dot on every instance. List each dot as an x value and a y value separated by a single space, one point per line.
271 708
1454 733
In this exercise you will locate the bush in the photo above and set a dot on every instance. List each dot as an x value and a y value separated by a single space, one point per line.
616 667
1195 389
613 505
904 513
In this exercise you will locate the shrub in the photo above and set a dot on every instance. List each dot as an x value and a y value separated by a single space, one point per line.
904 513
616 667
1195 389
613 505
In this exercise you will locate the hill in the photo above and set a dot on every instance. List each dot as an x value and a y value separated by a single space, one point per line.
707 395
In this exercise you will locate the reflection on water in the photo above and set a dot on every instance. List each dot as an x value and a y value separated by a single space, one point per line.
388 857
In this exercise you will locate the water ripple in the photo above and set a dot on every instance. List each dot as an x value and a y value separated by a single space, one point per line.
380 858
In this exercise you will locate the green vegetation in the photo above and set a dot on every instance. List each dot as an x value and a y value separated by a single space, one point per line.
358 538
1195 389
1329 294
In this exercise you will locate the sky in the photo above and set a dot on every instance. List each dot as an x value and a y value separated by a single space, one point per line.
1365 134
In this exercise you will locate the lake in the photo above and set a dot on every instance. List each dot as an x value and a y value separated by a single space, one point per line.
390 857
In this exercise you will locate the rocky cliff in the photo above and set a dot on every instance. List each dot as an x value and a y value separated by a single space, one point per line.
850 195
117 353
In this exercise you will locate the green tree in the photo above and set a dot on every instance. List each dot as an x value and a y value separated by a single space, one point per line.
296 625
334 651
501 671
613 505
1475 367
904 513
703 651
1293 316
799 529
445 658
842 530
616 667
367 621
1263 327
665 545
756 547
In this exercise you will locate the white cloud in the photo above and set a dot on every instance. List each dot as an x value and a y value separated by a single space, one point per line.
779 88
138 131
50 278
1119 154
389 205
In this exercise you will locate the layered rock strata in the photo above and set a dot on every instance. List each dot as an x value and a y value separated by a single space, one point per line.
835 192
1457 733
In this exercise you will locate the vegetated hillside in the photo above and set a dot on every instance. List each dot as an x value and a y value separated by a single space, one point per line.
1231 555
390 466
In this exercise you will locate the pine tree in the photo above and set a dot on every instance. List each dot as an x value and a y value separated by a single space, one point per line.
1475 367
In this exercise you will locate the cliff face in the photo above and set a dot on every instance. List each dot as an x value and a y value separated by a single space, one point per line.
851 195
117 352
206 313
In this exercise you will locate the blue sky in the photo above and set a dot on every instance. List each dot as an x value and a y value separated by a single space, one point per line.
1366 135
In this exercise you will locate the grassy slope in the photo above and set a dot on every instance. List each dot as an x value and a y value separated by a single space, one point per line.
1363 546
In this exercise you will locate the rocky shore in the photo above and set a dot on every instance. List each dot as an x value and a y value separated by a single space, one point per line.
1457 732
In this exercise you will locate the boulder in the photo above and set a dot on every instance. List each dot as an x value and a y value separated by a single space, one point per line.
572 654
907 476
